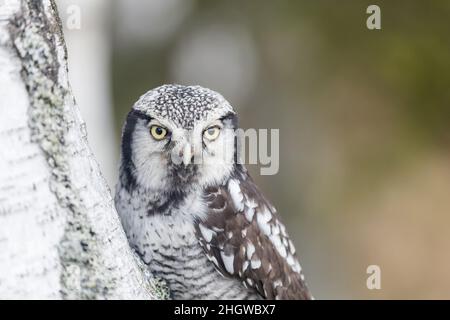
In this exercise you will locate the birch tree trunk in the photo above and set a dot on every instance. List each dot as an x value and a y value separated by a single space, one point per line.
60 236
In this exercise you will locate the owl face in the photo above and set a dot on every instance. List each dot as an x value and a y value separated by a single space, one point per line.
178 136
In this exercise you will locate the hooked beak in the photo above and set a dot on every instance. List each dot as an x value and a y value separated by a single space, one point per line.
187 154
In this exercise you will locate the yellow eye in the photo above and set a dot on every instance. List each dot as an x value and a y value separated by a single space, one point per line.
212 133
158 133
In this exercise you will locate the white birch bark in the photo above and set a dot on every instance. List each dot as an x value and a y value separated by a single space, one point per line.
60 236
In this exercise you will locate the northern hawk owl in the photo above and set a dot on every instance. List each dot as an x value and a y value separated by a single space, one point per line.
191 211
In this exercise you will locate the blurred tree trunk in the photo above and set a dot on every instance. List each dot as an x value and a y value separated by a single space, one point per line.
60 236
88 45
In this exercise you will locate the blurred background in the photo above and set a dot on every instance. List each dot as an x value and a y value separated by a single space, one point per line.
363 116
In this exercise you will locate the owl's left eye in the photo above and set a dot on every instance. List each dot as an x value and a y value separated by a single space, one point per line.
212 133
158 132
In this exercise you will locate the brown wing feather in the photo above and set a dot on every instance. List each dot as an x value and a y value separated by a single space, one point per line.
243 236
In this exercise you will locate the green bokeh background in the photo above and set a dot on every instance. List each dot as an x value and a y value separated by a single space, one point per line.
364 125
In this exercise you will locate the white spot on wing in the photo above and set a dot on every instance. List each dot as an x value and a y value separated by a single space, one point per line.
249 212
255 263
263 222
251 203
283 230
276 241
290 260
275 229
277 283
206 233
236 194
297 268
250 250
282 251
245 266
217 229
291 247
228 262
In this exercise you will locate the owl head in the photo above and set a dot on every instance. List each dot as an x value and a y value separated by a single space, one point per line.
178 136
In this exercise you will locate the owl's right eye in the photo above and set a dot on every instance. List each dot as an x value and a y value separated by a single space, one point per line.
158 132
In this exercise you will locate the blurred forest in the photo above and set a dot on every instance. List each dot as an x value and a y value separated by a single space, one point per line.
363 116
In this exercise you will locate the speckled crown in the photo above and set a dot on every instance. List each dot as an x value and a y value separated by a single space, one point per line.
184 105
